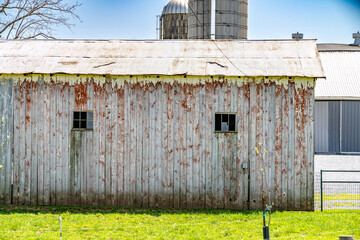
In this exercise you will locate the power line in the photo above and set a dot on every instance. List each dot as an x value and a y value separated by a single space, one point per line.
196 16
214 41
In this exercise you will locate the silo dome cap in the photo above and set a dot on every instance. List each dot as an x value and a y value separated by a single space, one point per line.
176 6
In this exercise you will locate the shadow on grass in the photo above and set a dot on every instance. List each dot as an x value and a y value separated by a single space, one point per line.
20 209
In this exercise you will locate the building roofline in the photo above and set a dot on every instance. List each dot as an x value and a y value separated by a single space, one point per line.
337 98
337 47
147 57
152 40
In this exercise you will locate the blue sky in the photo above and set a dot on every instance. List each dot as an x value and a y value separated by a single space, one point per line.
325 20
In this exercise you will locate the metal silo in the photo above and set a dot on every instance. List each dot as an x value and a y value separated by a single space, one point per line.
231 19
174 20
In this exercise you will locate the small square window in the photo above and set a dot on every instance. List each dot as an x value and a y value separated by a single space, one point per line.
83 120
225 118
217 122
225 122
90 124
76 124
90 116
83 124
232 122
76 115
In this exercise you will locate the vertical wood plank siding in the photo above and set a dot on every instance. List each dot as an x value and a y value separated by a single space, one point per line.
154 143
6 112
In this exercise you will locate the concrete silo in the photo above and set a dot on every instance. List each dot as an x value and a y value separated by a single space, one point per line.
231 19
174 20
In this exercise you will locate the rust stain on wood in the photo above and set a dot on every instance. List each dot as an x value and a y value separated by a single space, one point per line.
81 96
186 145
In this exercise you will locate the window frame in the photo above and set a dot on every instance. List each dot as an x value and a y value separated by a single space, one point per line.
225 113
87 120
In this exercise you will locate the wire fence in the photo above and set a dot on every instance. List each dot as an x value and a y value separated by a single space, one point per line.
339 190
333 190
60 231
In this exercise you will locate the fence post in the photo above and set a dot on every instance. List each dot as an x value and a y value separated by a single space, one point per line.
321 190
346 237
60 227
266 232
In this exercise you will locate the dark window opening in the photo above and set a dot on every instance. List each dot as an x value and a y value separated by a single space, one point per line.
83 120
225 122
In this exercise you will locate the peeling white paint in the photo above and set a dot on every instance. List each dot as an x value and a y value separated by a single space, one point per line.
300 82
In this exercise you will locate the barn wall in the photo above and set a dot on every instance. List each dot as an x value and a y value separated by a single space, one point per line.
6 112
154 144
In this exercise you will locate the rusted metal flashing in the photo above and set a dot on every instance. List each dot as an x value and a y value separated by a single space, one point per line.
300 82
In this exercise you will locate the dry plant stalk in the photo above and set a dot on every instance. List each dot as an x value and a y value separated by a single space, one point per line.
266 207
7 138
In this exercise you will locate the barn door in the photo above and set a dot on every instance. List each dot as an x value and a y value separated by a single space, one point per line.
229 178
327 126
350 129
81 189
337 126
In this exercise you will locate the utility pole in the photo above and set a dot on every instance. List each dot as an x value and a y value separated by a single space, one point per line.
213 19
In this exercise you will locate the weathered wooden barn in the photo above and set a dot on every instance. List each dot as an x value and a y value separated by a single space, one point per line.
158 123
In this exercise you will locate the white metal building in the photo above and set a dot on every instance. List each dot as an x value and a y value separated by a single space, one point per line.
337 107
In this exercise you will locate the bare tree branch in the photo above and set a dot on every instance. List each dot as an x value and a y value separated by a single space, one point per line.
4 5
28 19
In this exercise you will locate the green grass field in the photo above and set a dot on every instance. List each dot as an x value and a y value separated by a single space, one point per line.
338 201
114 223
337 197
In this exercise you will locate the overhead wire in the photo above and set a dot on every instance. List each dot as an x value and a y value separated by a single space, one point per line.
197 18
214 41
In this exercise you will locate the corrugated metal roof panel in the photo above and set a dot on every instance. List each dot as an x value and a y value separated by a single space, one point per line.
334 47
191 57
342 70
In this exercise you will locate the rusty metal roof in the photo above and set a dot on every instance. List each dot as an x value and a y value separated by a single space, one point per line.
342 70
170 57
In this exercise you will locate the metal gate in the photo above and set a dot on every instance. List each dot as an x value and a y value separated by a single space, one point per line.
340 189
